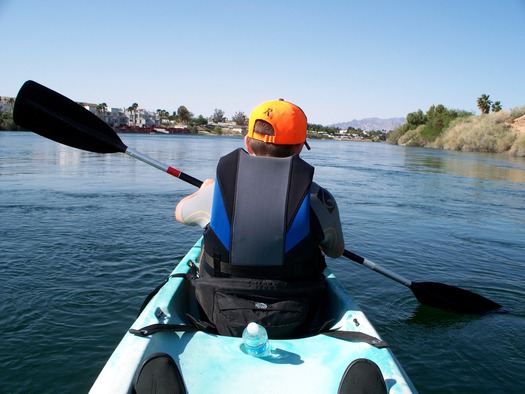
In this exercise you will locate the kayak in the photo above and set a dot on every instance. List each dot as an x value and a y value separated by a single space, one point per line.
211 363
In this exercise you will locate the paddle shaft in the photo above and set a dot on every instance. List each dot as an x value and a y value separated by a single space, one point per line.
376 267
163 167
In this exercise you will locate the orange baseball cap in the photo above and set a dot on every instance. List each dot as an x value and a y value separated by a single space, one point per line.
288 121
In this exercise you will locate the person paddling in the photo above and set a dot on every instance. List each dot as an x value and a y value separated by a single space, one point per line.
266 225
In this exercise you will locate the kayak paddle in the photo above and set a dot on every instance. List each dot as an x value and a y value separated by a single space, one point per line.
60 119
54 116
438 295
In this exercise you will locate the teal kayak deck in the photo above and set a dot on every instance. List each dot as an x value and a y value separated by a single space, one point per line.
217 364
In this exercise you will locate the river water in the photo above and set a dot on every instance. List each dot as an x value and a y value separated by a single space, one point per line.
85 237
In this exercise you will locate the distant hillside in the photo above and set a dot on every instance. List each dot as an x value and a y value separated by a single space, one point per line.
370 124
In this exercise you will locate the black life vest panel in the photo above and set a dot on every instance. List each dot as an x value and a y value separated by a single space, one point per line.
262 225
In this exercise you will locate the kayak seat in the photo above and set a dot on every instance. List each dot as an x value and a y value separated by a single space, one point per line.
362 376
158 374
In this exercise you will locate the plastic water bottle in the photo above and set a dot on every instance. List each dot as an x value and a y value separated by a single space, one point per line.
255 339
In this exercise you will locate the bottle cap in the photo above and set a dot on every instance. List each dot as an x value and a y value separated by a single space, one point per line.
253 328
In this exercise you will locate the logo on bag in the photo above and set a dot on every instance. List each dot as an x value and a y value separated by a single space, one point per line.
261 305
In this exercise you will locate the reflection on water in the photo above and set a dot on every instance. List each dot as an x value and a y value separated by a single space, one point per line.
489 167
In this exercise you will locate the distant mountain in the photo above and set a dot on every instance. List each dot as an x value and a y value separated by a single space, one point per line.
370 124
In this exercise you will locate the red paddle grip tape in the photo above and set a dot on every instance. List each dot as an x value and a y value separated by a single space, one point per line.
173 171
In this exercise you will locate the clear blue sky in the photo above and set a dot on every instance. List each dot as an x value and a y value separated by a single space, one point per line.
338 60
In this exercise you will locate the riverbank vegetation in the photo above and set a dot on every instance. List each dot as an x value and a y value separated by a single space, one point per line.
421 129
443 128
6 121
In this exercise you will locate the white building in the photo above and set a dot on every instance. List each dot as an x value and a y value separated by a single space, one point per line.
119 117
143 118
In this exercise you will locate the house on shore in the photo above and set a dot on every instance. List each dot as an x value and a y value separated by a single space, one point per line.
121 117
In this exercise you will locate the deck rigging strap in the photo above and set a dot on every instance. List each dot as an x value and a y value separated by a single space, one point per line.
339 334
358 337
154 328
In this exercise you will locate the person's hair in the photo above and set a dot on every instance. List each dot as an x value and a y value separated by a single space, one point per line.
261 148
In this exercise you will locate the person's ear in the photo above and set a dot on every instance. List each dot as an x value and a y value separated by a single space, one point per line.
247 144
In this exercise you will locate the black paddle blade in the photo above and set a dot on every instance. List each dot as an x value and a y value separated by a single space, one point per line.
440 295
60 119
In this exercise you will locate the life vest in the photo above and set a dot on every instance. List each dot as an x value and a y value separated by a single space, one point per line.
261 224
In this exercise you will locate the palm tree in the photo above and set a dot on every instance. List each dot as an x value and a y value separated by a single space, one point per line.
162 114
496 107
101 110
484 103
133 111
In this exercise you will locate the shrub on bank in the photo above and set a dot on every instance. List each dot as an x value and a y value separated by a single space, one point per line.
411 137
517 112
518 147
484 133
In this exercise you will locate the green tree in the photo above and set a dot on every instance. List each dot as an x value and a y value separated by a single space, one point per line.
496 106
240 119
183 115
484 103
200 121
440 109
417 118
218 116
101 110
